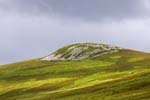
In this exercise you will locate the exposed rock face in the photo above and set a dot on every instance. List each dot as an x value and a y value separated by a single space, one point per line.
81 51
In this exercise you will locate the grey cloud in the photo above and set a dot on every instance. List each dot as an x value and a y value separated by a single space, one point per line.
85 9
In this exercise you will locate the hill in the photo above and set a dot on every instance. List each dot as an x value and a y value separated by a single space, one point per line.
84 71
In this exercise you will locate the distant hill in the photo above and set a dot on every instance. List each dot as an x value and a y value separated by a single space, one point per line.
83 71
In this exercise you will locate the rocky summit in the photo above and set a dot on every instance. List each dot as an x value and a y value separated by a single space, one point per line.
81 51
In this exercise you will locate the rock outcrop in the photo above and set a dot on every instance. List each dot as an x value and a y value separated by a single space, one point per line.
81 51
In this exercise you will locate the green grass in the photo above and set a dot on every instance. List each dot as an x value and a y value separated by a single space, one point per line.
119 76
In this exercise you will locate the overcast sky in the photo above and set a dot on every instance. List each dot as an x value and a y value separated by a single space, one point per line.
35 28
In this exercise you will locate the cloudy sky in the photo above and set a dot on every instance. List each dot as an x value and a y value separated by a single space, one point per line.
35 28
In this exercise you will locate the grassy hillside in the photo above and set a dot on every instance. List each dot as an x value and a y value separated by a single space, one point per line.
124 75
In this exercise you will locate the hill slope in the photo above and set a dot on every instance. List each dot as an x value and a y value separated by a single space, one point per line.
120 75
